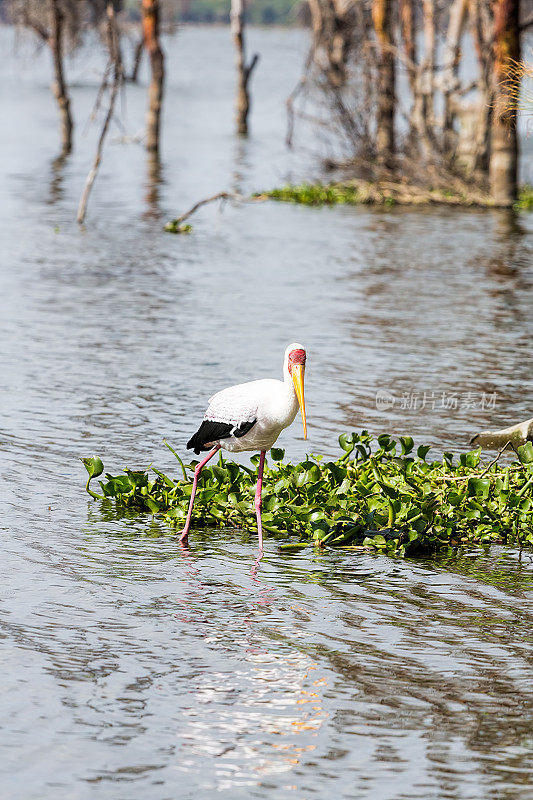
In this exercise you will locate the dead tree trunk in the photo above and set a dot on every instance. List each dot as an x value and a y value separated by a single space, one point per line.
504 140
428 73
450 80
55 40
423 109
410 58
408 28
244 70
337 40
482 30
150 23
386 83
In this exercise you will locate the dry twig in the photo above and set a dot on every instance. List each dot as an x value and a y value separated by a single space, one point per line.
115 59
200 203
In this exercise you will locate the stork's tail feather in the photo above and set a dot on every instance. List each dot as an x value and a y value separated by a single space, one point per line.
211 431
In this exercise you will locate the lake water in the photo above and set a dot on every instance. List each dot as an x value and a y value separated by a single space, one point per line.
135 669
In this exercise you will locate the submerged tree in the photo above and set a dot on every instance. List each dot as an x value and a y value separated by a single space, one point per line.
150 24
60 87
382 11
53 22
503 170
244 70
61 25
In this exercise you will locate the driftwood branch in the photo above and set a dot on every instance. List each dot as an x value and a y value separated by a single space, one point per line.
516 434
114 54
220 196
494 460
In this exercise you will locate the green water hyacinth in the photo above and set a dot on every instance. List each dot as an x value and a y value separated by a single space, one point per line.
377 494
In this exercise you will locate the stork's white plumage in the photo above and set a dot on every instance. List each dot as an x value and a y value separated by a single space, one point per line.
251 416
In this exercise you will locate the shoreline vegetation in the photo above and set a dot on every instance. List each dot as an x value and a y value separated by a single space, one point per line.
378 494
385 193
355 193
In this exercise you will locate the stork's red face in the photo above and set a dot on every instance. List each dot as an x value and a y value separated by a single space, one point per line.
296 357
296 366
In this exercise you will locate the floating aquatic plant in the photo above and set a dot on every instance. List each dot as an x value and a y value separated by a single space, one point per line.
175 227
379 493
525 199
385 193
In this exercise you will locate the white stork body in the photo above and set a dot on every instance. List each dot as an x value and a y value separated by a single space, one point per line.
271 405
251 416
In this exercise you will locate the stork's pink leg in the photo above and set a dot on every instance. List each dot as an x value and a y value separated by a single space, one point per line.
258 498
185 531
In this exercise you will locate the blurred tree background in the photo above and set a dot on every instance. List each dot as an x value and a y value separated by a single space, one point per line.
419 92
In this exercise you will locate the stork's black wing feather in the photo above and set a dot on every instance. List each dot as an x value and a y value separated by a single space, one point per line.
211 431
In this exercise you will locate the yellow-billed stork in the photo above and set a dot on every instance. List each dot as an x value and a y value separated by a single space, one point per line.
251 416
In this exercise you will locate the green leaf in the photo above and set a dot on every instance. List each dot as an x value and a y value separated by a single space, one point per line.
137 478
271 503
479 487
470 459
95 468
277 453
220 474
346 441
390 491
407 444
182 465
152 505
115 486
170 483
423 450
525 453
337 471
299 479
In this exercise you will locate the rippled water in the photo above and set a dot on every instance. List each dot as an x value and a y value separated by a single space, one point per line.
134 669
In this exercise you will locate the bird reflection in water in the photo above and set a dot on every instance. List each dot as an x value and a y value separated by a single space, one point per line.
259 708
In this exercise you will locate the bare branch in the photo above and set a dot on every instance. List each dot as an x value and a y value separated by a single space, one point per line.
220 196
250 68
41 32
137 58
101 91
114 54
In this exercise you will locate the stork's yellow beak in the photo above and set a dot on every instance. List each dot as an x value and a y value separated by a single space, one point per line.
298 372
